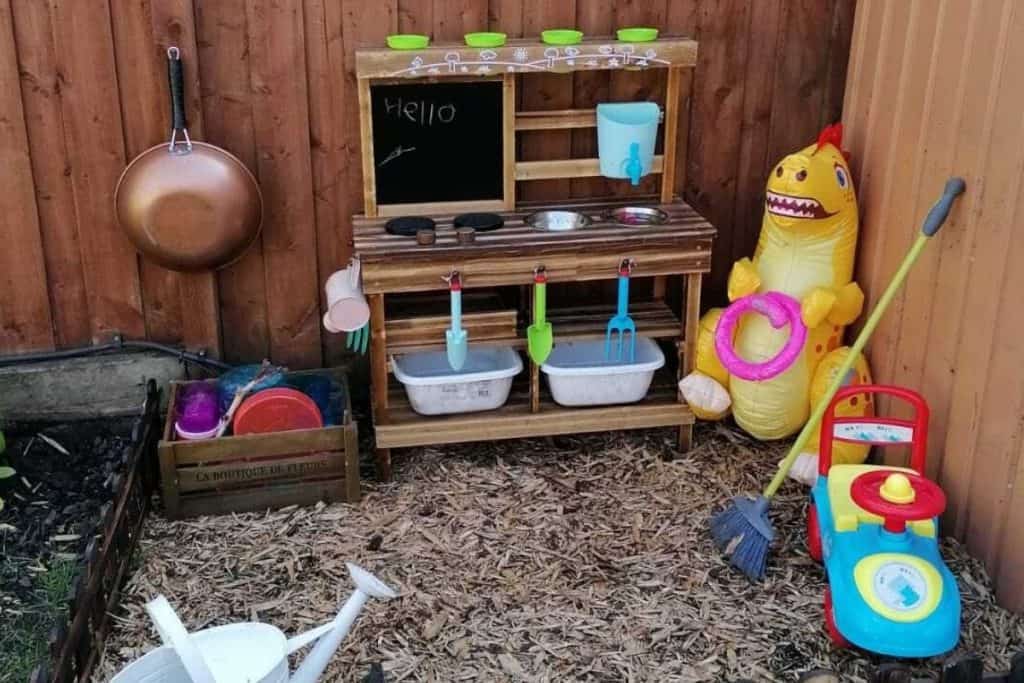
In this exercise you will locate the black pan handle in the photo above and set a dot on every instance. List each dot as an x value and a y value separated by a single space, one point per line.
176 81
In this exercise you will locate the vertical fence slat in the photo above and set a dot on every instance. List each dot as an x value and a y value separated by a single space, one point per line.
800 74
25 321
146 114
755 132
546 91
92 123
174 23
40 92
717 111
454 18
630 86
363 25
327 89
595 18
940 307
228 121
281 122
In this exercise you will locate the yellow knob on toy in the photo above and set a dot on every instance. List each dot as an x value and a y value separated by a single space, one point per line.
897 489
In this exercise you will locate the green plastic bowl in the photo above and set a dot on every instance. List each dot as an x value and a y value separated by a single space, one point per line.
561 36
408 41
485 39
637 34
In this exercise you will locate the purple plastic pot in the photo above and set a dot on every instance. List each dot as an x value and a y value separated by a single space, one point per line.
198 411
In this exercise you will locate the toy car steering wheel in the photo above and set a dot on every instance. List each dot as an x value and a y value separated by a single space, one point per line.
898 497
781 309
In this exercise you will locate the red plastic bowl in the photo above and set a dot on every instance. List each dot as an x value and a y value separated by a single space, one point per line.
277 410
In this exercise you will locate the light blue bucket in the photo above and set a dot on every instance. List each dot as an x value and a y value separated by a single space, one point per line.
626 132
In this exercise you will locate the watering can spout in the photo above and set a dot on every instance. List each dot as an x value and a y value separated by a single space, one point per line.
367 586
634 167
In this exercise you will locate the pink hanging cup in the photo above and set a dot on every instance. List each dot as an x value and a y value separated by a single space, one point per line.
347 309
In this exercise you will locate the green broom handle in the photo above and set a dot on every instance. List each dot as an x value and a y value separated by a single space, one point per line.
936 217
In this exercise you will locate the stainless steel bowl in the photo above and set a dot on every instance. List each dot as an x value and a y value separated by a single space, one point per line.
637 215
557 221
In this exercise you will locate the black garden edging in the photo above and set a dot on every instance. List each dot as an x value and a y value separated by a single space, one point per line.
76 642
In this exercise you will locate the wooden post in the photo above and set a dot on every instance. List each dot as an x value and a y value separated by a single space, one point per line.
168 472
508 129
688 344
691 324
534 387
366 142
352 464
668 172
379 378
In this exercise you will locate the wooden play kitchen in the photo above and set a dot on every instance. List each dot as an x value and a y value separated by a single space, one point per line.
439 131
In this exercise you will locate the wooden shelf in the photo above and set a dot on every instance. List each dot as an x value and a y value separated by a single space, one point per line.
426 333
457 60
653 319
514 420
395 264
559 119
570 168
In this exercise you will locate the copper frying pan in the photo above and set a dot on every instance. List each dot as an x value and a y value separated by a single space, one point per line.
187 205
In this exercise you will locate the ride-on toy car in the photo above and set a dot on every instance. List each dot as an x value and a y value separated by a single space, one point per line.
876 529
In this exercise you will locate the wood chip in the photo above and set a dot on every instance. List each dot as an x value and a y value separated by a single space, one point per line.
519 561
53 443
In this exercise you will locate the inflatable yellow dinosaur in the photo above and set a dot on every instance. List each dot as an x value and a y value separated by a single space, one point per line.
806 250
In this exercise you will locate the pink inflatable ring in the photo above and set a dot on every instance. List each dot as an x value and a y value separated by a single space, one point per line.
780 309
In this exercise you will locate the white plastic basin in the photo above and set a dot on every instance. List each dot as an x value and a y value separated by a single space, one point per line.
434 388
580 375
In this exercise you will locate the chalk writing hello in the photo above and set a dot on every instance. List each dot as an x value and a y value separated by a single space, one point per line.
421 112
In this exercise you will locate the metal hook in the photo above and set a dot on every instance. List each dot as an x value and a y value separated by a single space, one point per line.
452 278
626 266
173 52
174 141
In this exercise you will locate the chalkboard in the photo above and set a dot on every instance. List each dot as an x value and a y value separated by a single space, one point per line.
437 142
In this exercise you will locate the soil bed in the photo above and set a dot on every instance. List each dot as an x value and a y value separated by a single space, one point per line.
541 560
51 510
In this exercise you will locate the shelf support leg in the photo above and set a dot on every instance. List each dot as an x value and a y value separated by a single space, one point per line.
379 379
670 153
688 347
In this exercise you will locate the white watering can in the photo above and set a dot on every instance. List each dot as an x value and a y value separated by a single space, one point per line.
247 652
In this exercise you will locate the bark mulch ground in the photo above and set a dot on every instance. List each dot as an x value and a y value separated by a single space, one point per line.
538 560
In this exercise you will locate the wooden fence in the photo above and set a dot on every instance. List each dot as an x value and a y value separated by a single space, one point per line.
934 91
82 90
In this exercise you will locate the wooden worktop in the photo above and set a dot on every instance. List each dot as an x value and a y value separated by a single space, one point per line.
508 256
525 55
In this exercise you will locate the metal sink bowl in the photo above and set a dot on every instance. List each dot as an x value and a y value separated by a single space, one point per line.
557 221
635 216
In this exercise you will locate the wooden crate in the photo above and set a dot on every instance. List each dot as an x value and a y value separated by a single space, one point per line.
258 471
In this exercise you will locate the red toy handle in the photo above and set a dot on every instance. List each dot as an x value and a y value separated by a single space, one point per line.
919 422
878 492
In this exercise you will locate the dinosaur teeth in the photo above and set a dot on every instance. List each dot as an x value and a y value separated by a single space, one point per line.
797 207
